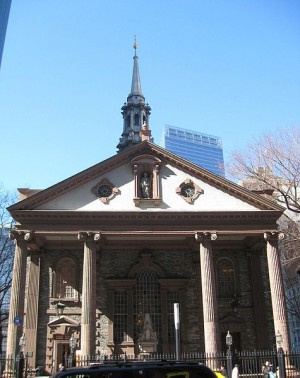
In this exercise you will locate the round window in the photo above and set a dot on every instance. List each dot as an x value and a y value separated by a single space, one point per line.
104 190
188 190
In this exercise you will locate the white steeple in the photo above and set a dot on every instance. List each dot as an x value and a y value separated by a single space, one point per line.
135 112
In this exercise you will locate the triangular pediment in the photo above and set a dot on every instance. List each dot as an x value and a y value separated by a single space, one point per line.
79 192
63 321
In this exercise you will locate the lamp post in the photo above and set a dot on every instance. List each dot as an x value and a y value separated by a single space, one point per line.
72 344
280 354
177 329
228 354
20 358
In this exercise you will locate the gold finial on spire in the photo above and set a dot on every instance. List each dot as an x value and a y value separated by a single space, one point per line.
135 45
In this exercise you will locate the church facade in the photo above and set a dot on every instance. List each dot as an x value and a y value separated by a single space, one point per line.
116 245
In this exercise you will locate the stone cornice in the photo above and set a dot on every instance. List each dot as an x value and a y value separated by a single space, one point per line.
125 157
136 220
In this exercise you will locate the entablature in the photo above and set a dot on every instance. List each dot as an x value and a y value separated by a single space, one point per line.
150 220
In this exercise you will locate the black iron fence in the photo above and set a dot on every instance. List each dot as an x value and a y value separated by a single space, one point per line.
15 368
250 363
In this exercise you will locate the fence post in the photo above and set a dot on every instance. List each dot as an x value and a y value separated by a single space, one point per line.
20 365
281 363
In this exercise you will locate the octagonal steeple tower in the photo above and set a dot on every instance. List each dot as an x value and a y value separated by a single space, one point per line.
135 112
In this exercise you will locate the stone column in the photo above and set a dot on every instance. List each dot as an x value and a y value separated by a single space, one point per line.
156 181
16 308
32 306
277 289
210 315
88 316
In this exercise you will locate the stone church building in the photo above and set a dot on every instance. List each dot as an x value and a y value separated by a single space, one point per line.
102 257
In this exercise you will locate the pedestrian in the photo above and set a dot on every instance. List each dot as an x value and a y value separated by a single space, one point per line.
223 371
272 373
266 369
235 371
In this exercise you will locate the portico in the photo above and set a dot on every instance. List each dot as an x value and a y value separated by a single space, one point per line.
114 254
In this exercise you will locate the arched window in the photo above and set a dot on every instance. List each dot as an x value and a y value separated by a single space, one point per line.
136 119
147 301
128 122
65 278
226 278
147 292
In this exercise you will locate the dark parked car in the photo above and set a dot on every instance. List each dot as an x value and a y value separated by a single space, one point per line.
157 369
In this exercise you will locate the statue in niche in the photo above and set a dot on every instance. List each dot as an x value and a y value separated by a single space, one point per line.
145 185
148 340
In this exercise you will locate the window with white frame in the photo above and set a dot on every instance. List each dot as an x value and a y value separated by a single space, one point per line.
226 278
120 316
65 279
147 301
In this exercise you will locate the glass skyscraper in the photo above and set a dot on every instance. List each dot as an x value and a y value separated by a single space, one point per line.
199 148
4 14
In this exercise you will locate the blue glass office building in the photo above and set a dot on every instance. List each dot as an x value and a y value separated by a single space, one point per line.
4 14
202 149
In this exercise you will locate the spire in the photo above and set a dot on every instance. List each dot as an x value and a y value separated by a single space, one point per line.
136 89
135 112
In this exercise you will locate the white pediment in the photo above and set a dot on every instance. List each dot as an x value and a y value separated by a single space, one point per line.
212 197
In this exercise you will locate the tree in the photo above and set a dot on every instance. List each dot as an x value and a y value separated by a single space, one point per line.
274 161
270 166
6 256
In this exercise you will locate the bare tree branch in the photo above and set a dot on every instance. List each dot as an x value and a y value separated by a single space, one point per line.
274 161
270 166
6 251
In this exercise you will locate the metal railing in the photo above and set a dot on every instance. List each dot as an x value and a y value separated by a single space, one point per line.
10 368
250 363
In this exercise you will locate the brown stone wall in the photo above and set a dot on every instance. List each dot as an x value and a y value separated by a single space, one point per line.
175 264
48 262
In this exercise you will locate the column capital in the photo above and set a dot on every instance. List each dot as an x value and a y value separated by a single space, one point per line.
89 236
205 236
20 236
273 235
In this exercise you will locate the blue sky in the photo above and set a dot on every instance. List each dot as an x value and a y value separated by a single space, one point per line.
229 68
